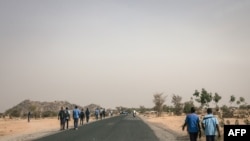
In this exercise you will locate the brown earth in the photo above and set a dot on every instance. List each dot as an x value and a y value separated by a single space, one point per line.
20 129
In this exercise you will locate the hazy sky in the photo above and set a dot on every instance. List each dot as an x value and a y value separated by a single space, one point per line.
122 52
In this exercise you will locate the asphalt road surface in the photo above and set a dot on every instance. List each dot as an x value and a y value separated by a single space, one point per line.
120 128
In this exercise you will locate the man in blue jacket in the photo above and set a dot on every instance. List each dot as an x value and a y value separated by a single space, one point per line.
76 115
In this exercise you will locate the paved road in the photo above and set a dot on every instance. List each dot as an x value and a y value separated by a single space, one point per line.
120 128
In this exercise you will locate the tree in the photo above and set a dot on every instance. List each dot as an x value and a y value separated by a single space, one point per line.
238 102
159 100
242 99
216 98
187 106
167 109
232 99
203 97
142 109
178 106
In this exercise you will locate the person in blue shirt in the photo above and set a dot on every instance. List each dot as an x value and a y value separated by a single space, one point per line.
210 125
192 122
97 112
76 115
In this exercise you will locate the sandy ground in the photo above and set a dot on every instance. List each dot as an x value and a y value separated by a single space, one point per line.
173 124
21 130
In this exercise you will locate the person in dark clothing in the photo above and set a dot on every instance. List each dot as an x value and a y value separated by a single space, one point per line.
104 113
100 112
62 116
29 114
82 116
87 113
67 119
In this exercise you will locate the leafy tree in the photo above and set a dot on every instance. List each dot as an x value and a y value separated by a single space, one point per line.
142 109
159 100
203 97
187 106
232 99
168 108
216 98
238 102
242 99
178 106
245 106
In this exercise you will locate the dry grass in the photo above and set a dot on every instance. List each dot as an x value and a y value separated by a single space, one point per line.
174 123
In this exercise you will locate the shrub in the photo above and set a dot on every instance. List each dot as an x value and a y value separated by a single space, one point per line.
49 114
15 113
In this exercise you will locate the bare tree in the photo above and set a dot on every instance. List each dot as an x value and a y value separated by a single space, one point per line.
159 100
178 106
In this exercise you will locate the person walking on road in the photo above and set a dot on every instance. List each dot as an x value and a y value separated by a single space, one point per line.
134 113
76 115
101 113
192 122
61 117
210 125
96 113
87 113
67 119
104 113
82 116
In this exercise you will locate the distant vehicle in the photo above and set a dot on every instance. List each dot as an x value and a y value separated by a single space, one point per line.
123 113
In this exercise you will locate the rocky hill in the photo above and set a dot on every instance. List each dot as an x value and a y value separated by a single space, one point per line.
43 109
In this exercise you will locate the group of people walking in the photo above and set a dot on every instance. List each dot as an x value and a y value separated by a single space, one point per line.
64 117
209 124
100 112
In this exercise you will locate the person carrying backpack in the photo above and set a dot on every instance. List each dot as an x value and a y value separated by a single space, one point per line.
82 116
61 117
67 119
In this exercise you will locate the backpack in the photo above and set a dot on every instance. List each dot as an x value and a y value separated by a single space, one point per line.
67 115
82 115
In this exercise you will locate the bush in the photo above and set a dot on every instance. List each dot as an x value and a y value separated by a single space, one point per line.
15 113
187 107
246 121
49 114
226 112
